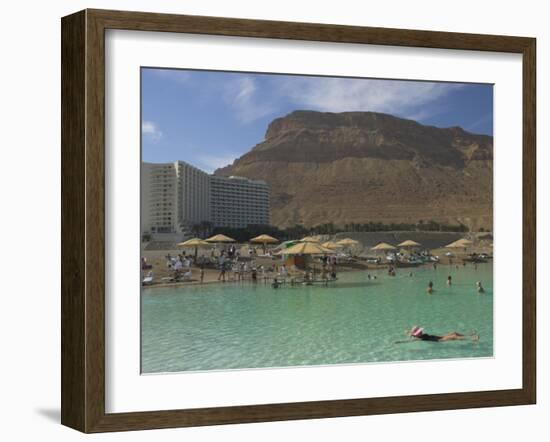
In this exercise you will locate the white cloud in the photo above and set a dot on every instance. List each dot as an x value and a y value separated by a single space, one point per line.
209 163
241 95
177 75
483 120
344 94
150 129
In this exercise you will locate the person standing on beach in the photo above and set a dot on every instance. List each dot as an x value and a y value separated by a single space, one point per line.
242 270
202 273
221 264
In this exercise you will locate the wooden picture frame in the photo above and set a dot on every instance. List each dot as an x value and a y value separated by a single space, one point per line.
83 220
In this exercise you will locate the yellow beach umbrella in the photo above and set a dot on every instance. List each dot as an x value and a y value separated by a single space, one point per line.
219 238
409 243
383 246
193 242
331 245
459 244
310 239
306 248
347 242
265 239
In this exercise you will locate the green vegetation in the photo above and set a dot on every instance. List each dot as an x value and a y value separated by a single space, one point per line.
299 231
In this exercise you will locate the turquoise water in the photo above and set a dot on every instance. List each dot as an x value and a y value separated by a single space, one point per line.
245 325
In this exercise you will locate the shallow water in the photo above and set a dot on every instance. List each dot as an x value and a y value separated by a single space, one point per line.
355 320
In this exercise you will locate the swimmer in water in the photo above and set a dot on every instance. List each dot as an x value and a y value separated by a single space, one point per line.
449 280
479 287
418 333
430 288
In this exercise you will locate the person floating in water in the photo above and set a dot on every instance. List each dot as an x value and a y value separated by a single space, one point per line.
430 288
449 280
418 333
479 287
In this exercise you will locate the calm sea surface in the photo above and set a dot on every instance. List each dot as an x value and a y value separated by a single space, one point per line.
355 320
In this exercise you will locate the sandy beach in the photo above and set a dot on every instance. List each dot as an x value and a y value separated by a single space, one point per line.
157 258
161 270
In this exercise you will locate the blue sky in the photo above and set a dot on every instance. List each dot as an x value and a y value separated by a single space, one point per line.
209 118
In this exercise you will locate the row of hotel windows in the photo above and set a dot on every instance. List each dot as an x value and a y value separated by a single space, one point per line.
230 196
247 209
258 220
224 188
239 215
239 202
215 195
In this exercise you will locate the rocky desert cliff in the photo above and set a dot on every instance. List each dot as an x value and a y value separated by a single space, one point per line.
371 167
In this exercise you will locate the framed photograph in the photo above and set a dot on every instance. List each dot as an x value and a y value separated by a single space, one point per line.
268 221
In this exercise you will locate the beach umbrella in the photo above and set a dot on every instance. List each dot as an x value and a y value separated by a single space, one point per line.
348 242
459 244
264 239
285 245
383 246
409 243
219 238
193 242
310 239
306 248
332 245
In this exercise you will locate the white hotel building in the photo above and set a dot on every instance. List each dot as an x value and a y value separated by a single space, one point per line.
238 202
175 196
